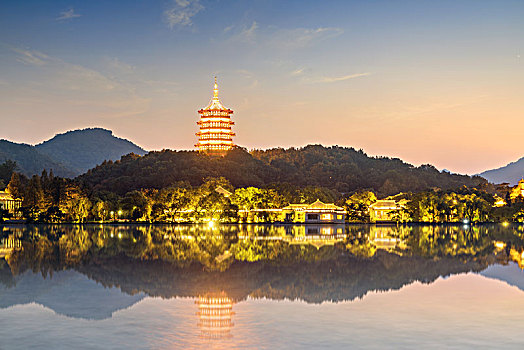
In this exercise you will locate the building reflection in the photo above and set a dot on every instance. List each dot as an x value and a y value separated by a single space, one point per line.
315 235
9 244
387 238
517 255
215 311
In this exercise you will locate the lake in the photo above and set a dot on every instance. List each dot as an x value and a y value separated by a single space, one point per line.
261 287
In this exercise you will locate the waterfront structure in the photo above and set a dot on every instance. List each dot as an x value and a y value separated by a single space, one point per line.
387 210
9 203
214 313
215 135
517 191
499 202
223 191
314 213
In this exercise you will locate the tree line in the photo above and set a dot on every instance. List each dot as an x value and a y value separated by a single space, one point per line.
344 170
180 186
48 198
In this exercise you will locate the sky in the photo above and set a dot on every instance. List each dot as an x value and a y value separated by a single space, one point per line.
439 82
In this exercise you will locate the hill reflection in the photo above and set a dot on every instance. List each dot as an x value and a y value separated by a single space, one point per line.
314 264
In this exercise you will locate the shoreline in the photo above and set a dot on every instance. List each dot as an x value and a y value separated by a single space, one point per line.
138 223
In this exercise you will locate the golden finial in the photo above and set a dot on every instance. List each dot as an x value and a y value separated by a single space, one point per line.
215 90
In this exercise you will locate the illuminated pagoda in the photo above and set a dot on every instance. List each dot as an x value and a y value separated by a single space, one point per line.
215 135
214 313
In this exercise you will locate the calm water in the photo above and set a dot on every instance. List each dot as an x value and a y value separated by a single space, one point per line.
261 287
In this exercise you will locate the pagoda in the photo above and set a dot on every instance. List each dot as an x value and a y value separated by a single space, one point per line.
215 135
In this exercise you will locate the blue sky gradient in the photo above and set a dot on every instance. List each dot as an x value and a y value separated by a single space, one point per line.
436 82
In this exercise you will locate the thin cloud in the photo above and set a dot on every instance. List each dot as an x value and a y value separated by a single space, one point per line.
298 71
181 12
283 39
247 34
245 73
116 64
68 14
343 78
107 94
31 57
302 37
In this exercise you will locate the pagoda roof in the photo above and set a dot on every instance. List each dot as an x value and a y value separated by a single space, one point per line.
215 104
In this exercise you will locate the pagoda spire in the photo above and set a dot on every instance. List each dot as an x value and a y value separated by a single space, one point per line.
215 90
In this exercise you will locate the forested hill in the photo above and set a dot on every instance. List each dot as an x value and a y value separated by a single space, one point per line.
30 161
81 150
341 169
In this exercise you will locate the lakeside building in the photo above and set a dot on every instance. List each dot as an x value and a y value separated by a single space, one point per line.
223 191
314 213
215 135
517 191
499 201
387 210
9 203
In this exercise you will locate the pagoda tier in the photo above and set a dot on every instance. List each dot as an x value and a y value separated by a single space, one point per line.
215 134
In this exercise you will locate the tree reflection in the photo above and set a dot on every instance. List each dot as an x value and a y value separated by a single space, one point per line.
333 263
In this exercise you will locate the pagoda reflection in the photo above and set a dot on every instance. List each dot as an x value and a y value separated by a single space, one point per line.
215 311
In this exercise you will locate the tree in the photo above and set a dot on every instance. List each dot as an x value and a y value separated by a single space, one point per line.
78 208
15 186
34 197
7 169
137 205
101 210
4 214
357 206
75 203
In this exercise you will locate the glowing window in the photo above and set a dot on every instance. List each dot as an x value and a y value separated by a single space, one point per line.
327 216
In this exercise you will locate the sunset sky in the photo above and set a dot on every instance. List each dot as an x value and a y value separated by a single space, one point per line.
438 82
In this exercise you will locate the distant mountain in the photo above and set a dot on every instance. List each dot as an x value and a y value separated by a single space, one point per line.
30 161
511 173
81 150
69 154
67 293
511 274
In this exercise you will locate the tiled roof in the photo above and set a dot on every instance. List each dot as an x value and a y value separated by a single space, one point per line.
385 204
5 196
323 206
317 205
